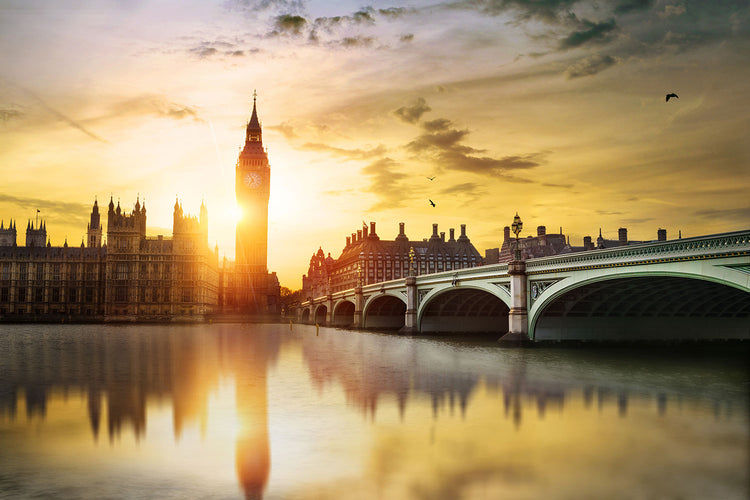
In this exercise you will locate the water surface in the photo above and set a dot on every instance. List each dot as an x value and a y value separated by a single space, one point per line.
273 411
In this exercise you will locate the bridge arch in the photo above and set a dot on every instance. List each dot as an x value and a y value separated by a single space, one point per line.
320 314
305 315
466 308
385 310
644 305
343 313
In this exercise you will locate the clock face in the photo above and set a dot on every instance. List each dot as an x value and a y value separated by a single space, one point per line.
253 180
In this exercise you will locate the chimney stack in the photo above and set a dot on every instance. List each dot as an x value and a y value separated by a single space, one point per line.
348 240
372 229
453 234
622 234
661 235
506 233
587 243
541 230
359 235
401 229
364 231
434 230
442 236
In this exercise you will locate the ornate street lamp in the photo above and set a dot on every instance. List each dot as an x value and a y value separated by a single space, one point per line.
411 261
517 226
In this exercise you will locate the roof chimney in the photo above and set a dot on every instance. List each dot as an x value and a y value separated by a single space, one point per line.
372 229
661 235
463 236
442 236
453 234
506 233
622 235
401 229
364 231
359 235
348 240
541 230
587 243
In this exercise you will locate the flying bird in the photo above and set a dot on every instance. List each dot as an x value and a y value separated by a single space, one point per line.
672 95
432 203
431 178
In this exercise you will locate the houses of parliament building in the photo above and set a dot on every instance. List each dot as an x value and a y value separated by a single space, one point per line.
134 277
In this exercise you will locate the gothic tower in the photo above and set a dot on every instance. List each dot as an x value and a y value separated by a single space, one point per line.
252 188
94 230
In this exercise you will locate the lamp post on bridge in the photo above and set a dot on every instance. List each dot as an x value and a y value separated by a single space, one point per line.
517 227
518 325
410 319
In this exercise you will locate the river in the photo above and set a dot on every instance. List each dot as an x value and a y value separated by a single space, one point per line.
222 411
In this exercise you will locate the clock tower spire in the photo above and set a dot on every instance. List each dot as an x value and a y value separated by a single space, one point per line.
252 189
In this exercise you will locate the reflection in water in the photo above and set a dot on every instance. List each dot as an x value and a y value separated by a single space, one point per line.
461 411
126 367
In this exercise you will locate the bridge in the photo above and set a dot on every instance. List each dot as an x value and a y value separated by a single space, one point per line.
692 288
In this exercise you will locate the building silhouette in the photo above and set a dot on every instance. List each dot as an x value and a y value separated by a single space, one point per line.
246 285
367 259
132 277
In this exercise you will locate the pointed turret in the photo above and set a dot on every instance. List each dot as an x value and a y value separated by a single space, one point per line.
253 133
111 204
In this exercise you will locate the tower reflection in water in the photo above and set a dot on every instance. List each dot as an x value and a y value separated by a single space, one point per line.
121 370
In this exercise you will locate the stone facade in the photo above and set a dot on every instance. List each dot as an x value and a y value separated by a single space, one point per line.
130 278
367 259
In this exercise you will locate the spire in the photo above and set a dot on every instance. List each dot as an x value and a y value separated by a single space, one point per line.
253 132
176 203
138 202
111 204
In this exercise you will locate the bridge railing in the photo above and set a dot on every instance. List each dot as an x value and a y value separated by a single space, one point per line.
700 247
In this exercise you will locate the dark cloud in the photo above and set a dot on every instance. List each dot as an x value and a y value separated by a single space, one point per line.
552 185
592 33
288 24
412 114
549 11
8 114
385 182
254 6
356 41
608 212
445 140
626 6
484 165
588 66
364 16
235 53
394 12
50 209
352 154
204 52
406 38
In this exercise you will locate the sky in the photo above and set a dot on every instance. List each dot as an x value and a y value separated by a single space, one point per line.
554 109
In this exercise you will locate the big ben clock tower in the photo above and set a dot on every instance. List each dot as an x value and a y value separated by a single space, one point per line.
252 188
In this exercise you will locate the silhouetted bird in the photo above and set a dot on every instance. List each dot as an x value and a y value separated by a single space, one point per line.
431 178
672 95
432 203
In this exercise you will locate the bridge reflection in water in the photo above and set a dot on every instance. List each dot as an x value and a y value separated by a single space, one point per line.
459 393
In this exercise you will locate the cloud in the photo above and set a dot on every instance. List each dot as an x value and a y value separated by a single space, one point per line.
406 38
626 6
637 221
50 209
550 11
355 41
204 52
352 154
64 118
672 10
285 128
593 32
8 114
741 214
552 185
287 24
254 6
412 114
385 182
394 12
589 66
149 104
467 188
